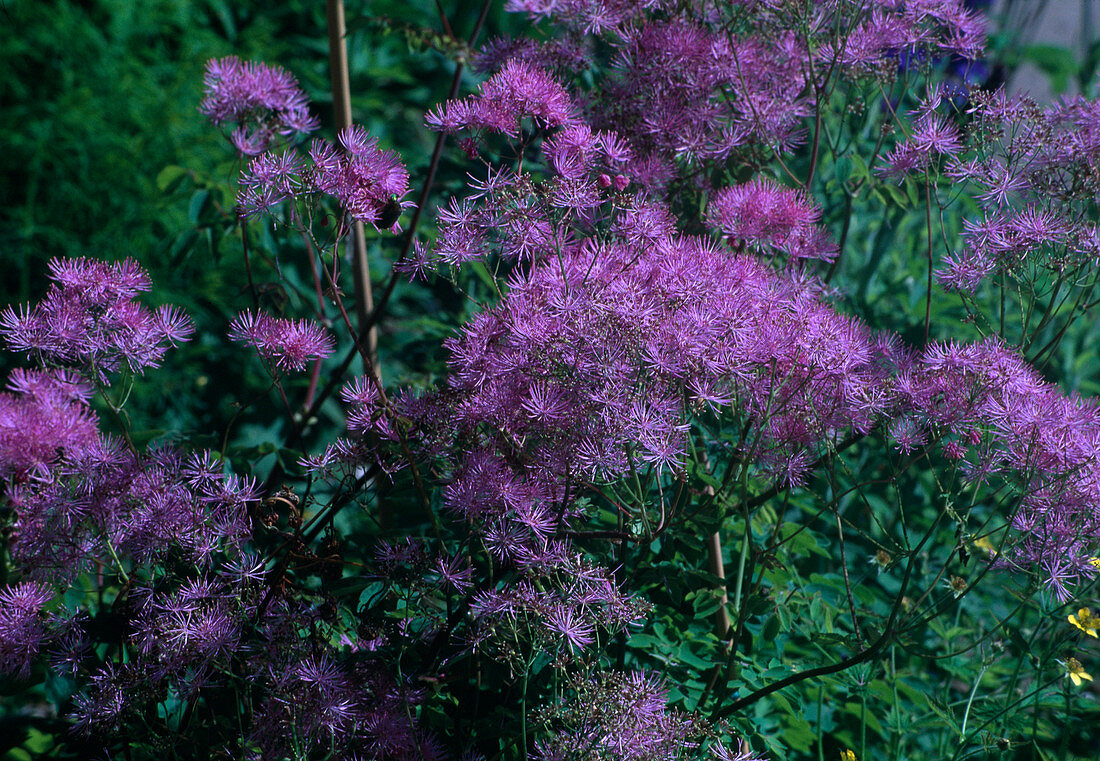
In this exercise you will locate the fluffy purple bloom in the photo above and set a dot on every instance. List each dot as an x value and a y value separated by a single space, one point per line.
1033 174
102 705
575 631
1031 432
89 318
317 703
765 214
43 416
367 180
934 134
588 16
908 29
141 506
288 344
518 91
742 752
191 627
22 628
269 180
622 716
265 100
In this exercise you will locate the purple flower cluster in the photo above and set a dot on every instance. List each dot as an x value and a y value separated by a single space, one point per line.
588 16
367 181
1035 170
264 101
43 416
635 335
685 89
933 135
560 603
517 92
89 318
287 344
195 608
624 716
765 215
911 28
1031 171
990 409
361 711
104 500
587 363
22 628
364 178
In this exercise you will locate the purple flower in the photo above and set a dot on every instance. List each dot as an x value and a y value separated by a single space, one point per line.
22 629
621 716
763 213
43 417
269 180
265 100
573 629
518 91
367 181
89 317
288 344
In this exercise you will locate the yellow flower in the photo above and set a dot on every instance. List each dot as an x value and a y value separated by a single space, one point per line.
1094 562
1076 672
847 755
1085 621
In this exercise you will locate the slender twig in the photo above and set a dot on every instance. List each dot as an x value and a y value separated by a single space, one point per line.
847 581
928 294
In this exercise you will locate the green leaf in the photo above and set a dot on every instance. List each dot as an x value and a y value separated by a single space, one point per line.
368 596
37 741
169 178
897 195
860 170
843 169
771 629
801 540
198 203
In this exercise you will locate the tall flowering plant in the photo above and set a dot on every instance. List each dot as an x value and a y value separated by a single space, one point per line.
704 476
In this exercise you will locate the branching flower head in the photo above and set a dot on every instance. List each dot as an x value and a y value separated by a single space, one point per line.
765 214
367 180
22 627
516 92
623 716
89 318
44 416
289 344
265 101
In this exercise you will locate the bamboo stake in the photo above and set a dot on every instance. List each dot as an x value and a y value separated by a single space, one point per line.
341 102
